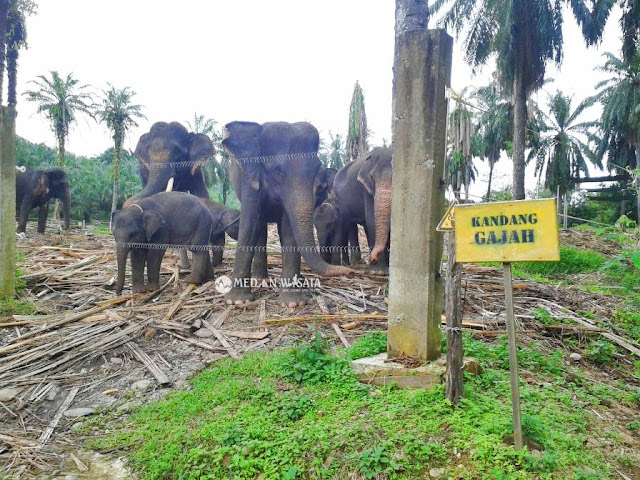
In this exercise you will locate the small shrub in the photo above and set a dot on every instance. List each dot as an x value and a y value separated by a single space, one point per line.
312 363
543 316
625 223
375 462
601 352
369 345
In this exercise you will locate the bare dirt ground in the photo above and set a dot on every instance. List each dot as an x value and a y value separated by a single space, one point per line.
87 349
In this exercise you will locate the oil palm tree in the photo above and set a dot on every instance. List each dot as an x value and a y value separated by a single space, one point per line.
494 126
562 148
461 131
119 114
60 99
357 132
524 36
619 138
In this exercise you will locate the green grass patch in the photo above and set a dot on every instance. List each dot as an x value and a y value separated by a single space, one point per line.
301 414
572 260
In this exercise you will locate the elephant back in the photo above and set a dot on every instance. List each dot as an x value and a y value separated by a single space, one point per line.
279 138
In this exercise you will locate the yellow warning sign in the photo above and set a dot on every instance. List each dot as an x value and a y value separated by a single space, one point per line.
447 221
517 231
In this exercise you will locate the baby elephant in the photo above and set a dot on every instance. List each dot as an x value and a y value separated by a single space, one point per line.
335 231
167 218
225 219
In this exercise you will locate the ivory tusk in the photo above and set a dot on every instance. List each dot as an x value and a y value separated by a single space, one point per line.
170 185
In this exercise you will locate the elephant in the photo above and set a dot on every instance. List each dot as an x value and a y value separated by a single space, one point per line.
168 151
225 220
34 188
176 218
364 188
277 177
335 232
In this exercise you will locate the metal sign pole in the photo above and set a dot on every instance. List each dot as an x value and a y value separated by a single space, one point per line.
513 356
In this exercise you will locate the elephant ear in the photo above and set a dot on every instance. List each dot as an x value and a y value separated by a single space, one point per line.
152 221
200 150
242 139
364 175
41 183
326 213
323 183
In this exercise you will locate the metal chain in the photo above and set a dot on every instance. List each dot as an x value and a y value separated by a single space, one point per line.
257 248
241 160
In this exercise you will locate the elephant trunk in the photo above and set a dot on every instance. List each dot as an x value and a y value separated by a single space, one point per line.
382 213
66 207
121 258
159 176
299 209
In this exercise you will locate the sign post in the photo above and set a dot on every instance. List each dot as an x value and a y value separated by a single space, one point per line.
524 230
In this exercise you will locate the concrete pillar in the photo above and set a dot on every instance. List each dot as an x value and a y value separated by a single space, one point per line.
422 71
7 201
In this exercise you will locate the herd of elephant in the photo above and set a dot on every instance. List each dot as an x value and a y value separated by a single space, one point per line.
278 178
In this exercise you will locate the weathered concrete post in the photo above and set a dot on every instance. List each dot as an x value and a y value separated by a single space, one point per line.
7 201
422 71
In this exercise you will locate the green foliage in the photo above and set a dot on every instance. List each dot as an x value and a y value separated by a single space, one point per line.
572 260
369 345
542 315
14 306
625 223
376 461
312 363
601 352
357 143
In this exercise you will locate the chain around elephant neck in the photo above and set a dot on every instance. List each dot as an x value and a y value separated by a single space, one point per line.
240 160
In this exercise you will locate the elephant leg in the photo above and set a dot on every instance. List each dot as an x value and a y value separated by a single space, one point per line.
202 270
138 260
216 253
334 244
43 213
259 268
356 255
184 260
25 209
247 239
290 295
154 262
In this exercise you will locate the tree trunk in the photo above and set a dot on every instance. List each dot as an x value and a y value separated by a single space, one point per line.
116 180
491 164
4 20
519 123
636 181
12 74
7 202
453 313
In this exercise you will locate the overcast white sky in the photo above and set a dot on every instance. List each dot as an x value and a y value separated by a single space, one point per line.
250 60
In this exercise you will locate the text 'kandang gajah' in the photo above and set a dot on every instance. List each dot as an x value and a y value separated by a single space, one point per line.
504 234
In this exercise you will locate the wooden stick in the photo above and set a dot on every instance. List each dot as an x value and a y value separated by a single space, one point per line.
178 303
54 421
249 335
197 343
341 336
225 343
11 440
330 318
159 375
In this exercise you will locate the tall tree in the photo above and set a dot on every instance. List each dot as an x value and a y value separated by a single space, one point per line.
12 38
357 131
60 99
460 160
119 114
562 149
524 36
619 138
494 126
333 154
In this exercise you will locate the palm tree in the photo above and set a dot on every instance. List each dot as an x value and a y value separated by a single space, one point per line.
460 162
561 147
357 131
59 99
332 155
494 125
524 36
619 95
119 115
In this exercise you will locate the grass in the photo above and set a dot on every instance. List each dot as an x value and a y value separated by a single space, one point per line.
15 306
301 414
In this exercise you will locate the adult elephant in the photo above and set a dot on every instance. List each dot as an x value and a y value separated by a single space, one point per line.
364 188
35 188
168 151
277 176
